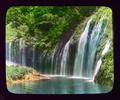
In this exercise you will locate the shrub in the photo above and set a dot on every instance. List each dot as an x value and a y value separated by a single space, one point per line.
17 72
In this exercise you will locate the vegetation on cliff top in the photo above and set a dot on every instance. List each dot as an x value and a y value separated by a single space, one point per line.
42 27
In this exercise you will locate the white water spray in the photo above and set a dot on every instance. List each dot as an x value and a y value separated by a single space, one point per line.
65 56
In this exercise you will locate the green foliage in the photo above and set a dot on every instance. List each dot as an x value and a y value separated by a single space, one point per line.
17 72
105 75
42 27
15 33
11 33
105 14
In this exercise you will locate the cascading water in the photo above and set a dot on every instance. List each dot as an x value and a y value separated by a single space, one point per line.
87 46
10 57
33 58
9 54
84 60
52 61
107 46
105 50
64 59
15 52
22 58
78 65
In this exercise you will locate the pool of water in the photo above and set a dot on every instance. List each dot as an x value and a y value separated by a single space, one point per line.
58 86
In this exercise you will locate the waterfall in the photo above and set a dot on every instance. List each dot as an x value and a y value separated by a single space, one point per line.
9 54
107 46
86 51
105 50
83 64
64 59
78 65
10 57
15 52
22 50
52 60
33 58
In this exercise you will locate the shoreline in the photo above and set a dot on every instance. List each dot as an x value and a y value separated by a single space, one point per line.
35 76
